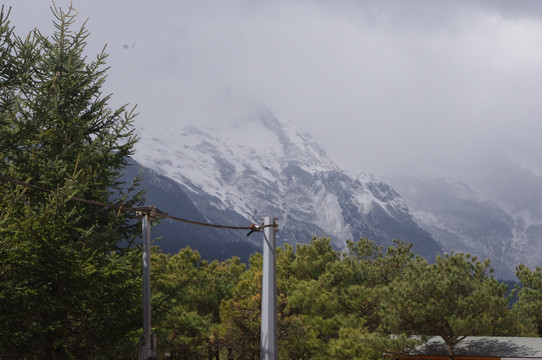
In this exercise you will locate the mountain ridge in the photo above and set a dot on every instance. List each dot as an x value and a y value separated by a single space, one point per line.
262 166
464 220
267 167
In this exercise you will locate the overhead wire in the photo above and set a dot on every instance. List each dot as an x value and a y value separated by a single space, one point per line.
151 211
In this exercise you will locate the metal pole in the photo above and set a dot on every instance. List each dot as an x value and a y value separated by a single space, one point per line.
268 339
147 341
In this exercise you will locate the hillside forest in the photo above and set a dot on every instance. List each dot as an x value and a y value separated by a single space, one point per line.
70 270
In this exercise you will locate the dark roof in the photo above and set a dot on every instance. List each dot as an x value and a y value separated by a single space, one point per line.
513 347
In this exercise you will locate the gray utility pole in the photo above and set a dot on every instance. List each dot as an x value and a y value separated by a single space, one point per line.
147 341
268 339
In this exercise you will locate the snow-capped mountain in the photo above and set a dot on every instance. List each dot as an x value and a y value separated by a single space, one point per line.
463 220
265 167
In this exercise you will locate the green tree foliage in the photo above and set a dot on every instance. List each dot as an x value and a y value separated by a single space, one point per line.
358 304
529 304
328 301
372 268
241 314
318 288
453 298
69 281
187 293
344 295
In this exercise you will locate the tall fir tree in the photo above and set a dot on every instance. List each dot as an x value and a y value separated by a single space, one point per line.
69 279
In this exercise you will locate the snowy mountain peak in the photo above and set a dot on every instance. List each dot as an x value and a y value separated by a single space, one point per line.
261 166
265 132
261 142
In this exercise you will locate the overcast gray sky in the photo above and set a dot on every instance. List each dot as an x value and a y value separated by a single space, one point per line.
384 86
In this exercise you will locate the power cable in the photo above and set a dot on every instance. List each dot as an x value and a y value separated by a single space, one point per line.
151 211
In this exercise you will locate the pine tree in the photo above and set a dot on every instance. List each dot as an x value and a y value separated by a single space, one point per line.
187 293
528 307
69 279
453 298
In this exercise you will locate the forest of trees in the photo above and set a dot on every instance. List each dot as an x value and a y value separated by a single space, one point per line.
70 272
358 304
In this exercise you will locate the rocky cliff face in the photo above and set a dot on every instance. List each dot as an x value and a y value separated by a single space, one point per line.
266 167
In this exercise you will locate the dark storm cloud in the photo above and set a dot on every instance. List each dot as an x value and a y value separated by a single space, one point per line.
383 86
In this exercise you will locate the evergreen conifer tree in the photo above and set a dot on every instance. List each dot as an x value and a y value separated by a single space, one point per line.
528 307
454 297
69 279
